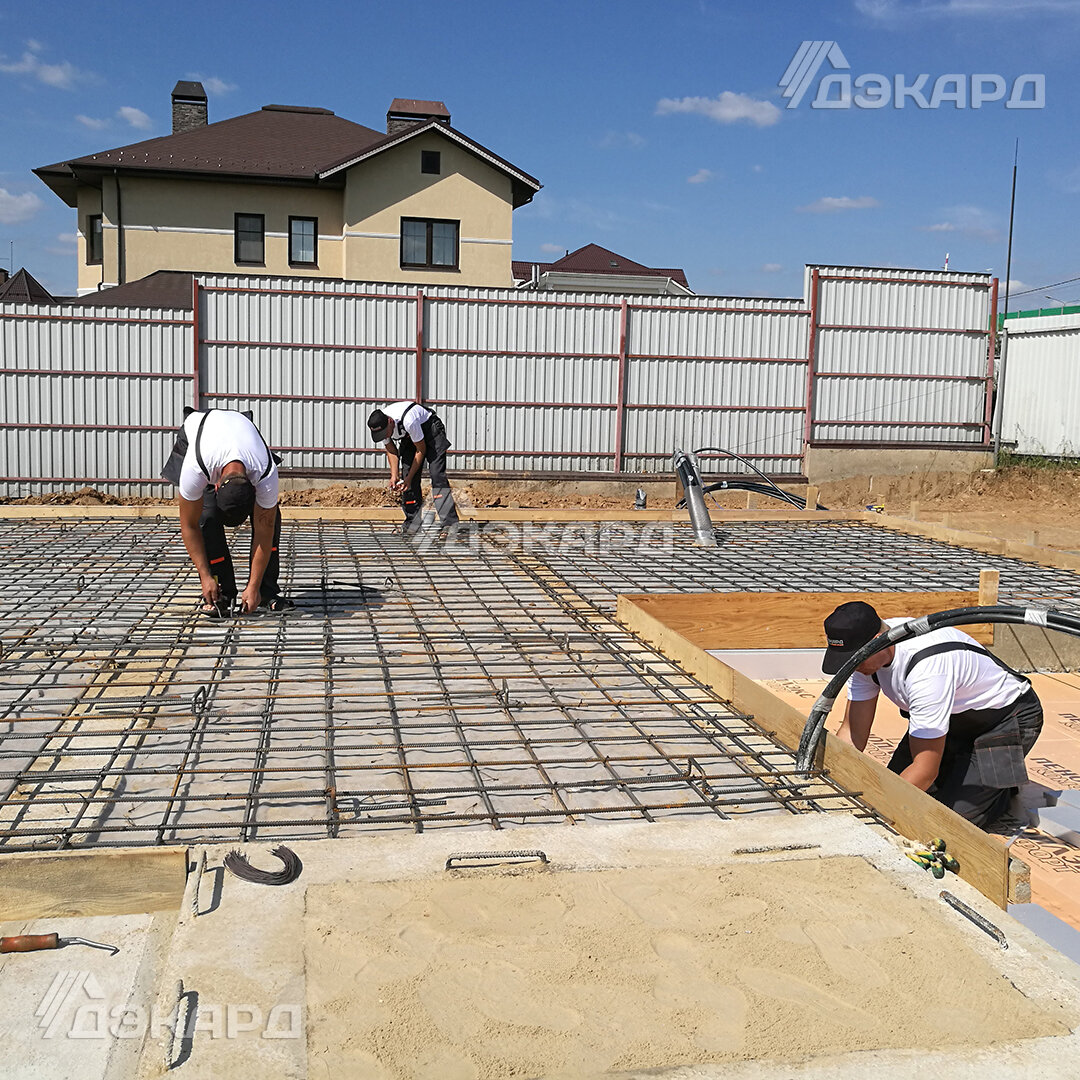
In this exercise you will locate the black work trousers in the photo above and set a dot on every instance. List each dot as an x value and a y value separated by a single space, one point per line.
982 766
217 550
436 444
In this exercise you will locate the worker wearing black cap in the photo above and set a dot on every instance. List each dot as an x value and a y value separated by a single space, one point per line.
971 718
421 437
226 474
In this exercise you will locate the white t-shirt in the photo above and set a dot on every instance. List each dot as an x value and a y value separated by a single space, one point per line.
940 685
418 415
227 436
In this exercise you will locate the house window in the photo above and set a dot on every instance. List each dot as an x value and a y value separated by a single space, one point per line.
93 239
303 241
430 161
248 244
432 244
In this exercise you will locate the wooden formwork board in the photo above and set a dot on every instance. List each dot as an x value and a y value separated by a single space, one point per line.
781 620
984 860
121 882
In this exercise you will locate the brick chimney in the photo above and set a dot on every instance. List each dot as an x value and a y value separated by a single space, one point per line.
404 112
188 106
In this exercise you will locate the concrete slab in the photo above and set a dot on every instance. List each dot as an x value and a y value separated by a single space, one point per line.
63 1011
292 948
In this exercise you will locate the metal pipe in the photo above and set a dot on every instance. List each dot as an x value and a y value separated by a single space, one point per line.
687 471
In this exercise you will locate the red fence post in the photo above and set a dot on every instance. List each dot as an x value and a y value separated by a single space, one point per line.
195 339
620 401
988 414
811 354
419 347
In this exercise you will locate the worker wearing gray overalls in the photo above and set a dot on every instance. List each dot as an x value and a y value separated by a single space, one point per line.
971 718
420 437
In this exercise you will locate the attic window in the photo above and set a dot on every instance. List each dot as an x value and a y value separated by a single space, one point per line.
431 161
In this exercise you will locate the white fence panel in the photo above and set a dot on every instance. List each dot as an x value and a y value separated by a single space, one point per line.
1041 406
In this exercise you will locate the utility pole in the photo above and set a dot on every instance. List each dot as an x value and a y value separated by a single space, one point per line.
1005 318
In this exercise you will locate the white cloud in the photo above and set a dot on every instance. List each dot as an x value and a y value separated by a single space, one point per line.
16 208
63 76
896 10
553 249
135 117
829 204
700 177
92 122
727 108
967 220
771 268
213 85
68 237
620 140
758 168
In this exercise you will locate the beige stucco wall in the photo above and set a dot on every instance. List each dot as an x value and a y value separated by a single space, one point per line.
383 190
188 224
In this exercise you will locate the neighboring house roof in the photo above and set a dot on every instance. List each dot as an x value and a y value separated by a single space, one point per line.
23 288
162 289
279 142
593 259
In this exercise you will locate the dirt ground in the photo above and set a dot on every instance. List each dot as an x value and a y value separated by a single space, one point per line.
1019 502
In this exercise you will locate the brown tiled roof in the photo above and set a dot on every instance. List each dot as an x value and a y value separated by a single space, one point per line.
416 107
162 289
281 141
593 259
23 288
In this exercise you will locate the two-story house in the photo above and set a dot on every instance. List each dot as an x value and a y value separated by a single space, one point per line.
290 190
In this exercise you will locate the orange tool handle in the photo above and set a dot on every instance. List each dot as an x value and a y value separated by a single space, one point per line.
29 943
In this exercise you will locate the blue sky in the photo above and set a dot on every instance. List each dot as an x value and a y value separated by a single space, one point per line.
657 129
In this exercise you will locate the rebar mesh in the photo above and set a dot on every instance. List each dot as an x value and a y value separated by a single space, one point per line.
416 686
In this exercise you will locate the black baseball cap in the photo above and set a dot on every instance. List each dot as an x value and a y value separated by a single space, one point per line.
379 424
235 499
847 630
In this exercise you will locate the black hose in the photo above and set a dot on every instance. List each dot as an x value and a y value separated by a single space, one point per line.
815 724
750 485
770 487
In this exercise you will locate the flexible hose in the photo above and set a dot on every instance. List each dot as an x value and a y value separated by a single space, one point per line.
749 485
815 724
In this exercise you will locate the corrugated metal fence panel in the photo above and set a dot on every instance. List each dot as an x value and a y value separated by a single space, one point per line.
1041 408
525 382
310 363
91 396
917 342
731 378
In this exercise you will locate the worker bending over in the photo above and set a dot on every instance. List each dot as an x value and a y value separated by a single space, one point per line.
420 437
226 474
971 718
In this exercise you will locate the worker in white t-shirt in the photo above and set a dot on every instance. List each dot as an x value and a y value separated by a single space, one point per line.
420 436
971 719
226 474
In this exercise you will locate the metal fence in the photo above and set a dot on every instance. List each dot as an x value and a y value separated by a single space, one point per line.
1041 403
551 384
